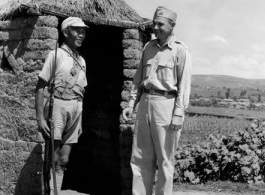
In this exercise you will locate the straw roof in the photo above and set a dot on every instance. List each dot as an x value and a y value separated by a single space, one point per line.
106 12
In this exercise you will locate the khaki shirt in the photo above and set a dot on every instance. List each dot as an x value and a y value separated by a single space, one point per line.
63 68
165 68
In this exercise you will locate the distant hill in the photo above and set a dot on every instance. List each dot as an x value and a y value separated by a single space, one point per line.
220 81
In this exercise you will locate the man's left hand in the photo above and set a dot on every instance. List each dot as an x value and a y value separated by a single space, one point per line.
176 122
80 131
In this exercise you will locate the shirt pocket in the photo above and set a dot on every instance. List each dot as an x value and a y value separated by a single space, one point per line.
165 70
147 68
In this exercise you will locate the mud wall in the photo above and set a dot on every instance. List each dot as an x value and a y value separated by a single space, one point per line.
132 51
24 43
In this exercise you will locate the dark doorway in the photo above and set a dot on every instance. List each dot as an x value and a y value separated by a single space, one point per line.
94 165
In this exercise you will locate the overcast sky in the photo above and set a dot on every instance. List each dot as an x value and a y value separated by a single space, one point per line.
224 37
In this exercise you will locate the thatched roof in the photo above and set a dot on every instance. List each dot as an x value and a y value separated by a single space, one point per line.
105 12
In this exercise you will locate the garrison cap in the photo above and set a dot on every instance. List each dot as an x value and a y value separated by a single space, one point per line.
165 13
73 21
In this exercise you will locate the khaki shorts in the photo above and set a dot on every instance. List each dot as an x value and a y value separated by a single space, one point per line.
67 118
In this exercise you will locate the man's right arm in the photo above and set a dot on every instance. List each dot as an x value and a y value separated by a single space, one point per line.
39 106
45 77
135 92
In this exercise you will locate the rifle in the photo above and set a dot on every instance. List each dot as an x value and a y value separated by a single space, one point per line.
49 142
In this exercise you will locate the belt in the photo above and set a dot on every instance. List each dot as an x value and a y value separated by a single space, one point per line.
158 92
79 99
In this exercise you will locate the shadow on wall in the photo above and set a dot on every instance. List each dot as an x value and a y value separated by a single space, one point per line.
30 178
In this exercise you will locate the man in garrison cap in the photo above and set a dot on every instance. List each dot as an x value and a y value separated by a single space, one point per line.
70 80
161 88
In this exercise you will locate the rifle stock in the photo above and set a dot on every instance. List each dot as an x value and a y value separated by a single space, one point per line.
49 143
46 167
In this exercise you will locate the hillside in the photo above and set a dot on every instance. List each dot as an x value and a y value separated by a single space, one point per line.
220 81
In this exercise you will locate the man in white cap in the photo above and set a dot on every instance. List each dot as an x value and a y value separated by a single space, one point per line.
70 80
162 88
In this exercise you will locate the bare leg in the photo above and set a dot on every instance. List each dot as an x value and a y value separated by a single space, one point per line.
62 153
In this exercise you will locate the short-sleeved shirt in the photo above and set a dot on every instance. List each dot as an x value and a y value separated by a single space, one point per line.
165 68
63 68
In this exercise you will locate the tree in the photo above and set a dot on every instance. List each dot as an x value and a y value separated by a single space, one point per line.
214 102
259 98
227 93
251 104
219 94
250 98
234 98
243 93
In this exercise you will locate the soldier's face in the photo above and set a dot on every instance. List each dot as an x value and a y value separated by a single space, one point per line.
162 27
75 36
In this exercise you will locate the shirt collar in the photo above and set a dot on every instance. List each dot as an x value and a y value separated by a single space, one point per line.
74 53
169 43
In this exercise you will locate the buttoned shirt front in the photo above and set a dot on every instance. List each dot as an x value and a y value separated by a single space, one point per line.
64 67
165 68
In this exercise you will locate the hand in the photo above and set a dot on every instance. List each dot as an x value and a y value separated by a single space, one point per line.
176 122
80 132
43 127
127 113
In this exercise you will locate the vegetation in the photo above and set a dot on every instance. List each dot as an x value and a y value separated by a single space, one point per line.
197 128
224 155
224 82
219 150
227 93
222 187
210 92
226 112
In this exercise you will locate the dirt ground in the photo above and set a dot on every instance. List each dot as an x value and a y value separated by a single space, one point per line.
70 192
196 193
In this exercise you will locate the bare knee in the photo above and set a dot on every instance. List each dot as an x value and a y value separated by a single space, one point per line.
65 151
64 159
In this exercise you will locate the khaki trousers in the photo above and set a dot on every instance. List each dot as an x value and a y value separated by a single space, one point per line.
153 144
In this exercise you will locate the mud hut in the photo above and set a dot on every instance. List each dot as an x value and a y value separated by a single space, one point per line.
29 29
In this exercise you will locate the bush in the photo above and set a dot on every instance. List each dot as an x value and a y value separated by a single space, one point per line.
240 157
201 103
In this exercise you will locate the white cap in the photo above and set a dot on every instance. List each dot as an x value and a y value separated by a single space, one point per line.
73 21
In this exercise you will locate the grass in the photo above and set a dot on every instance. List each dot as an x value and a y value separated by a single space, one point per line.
223 187
234 92
227 112
198 128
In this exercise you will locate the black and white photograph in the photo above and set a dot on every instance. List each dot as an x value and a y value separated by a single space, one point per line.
132 97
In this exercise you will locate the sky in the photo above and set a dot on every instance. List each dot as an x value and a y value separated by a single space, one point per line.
224 37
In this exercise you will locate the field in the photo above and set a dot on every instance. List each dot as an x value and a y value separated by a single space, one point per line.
198 128
206 93
201 122
226 112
